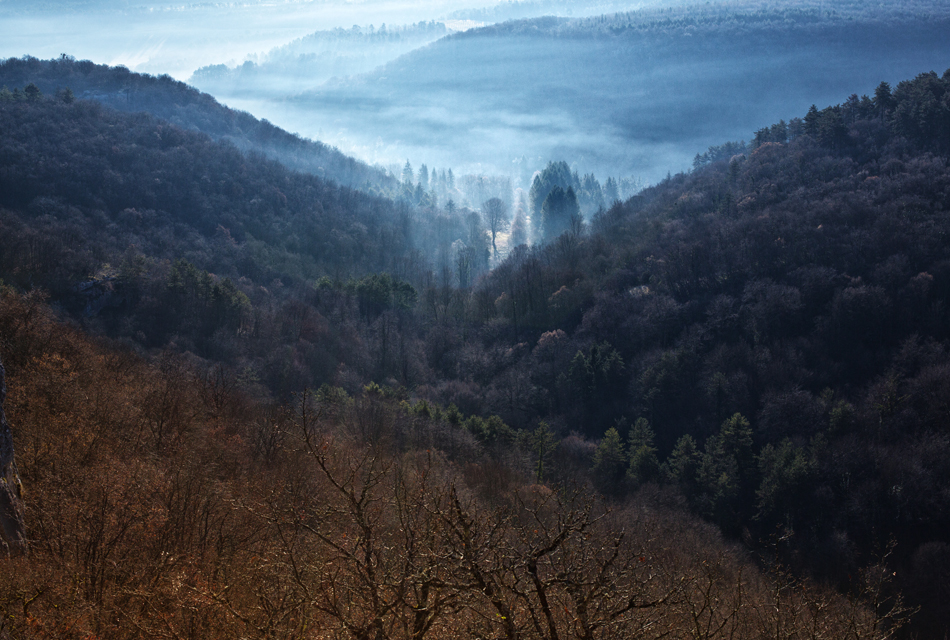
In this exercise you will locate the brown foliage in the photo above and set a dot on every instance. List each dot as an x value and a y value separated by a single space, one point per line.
162 504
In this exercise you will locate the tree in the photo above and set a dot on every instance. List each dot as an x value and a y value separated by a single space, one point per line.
883 100
559 213
497 218
644 465
609 461
683 464
556 174
12 534
543 443
424 177
726 473
33 93
611 195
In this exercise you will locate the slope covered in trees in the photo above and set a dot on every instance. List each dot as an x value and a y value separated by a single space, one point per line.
190 109
768 333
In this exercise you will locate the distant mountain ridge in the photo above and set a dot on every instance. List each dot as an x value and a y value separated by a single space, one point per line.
317 57
190 109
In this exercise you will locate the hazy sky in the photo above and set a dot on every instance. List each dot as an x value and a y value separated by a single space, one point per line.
177 39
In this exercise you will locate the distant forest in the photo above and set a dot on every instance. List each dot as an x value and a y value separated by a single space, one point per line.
762 340
618 94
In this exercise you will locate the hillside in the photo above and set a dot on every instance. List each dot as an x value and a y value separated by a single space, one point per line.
627 93
768 333
161 501
192 110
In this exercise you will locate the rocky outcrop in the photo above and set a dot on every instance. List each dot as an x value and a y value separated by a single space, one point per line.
12 530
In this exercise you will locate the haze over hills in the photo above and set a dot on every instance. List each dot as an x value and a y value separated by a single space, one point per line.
315 58
629 93
177 38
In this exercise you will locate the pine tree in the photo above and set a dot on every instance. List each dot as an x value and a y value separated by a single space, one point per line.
609 461
644 465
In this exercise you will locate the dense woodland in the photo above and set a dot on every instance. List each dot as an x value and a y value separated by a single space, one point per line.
761 342
163 502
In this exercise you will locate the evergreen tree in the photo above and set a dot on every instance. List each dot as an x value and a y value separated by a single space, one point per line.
558 213
609 462
883 100
556 174
683 465
519 231
424 177
611 195
33 93
726 473
644 465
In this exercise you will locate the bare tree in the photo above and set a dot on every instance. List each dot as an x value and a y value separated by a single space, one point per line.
11 512
498 219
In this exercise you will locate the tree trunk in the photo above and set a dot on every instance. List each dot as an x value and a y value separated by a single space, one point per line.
12 530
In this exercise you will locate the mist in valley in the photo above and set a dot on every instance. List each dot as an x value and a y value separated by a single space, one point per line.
607 98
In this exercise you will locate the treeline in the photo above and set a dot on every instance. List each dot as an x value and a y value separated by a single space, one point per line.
162 501
188 108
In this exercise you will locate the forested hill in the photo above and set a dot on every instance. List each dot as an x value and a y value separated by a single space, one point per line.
112 211
190 109
738 18
769 333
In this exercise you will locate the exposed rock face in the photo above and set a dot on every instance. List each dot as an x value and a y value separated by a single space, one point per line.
12 531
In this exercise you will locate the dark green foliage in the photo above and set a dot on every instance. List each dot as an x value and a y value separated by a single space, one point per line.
644 465
195 299
787 474
610 462
727 474
920 111
556 174
593 379
560 213
683 465
380 292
